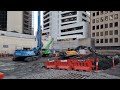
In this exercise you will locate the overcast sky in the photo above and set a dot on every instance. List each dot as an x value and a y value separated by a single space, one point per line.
35 20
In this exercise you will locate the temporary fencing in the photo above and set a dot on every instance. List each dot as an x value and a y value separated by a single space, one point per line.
2 75
71 65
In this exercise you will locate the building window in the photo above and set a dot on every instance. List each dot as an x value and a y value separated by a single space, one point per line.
116 24
101 33
101 12
93 28
101 19
78 28
101 26
98 13
116 16
111 17
5 46
97 33
101 40
111 40
106 25
116 40
93 14
106 18
106 12
111 25
93 34
106 40
97 26
93 21
110 32
116 32
84 20
106 33
97 20
97 40
84 15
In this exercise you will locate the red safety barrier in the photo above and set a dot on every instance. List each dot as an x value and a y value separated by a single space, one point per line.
83 66
57 62
70 64
90 63
50 65
64 65
1 75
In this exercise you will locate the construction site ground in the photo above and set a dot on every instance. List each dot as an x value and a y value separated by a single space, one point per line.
35 70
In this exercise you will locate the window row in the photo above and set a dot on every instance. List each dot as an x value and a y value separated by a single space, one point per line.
72 29
69 14
45 12
111 32
81 33
46 25
46 16
110 25
69 19
106 18
110 40
47 33
100 13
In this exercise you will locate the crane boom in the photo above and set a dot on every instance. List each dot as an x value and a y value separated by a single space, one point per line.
35 53
48 44
39 32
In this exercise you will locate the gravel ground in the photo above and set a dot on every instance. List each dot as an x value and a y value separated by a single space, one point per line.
113 71
35 70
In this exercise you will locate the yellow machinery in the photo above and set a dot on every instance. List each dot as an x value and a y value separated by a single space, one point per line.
72 53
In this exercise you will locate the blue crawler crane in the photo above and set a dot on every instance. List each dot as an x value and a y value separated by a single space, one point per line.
33 54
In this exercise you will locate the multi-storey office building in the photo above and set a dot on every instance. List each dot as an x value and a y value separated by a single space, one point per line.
105 29
15 31
66 27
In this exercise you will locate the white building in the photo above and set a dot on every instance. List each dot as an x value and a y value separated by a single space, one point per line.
15 31
66 27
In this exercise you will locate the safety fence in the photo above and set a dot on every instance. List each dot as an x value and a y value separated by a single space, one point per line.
2 75
71 65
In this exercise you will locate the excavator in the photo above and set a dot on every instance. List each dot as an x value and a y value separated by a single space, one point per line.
79 51
34 53
46 51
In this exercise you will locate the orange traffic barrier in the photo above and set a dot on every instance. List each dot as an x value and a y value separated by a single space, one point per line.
90 63
70 64
83 66
50 65
64 65
1 75
57 62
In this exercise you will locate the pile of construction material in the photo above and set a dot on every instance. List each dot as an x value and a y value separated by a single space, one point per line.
104 61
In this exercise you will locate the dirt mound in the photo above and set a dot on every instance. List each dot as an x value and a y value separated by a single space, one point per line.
104 61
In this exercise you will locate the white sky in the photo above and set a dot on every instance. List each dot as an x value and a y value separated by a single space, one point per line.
36 21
